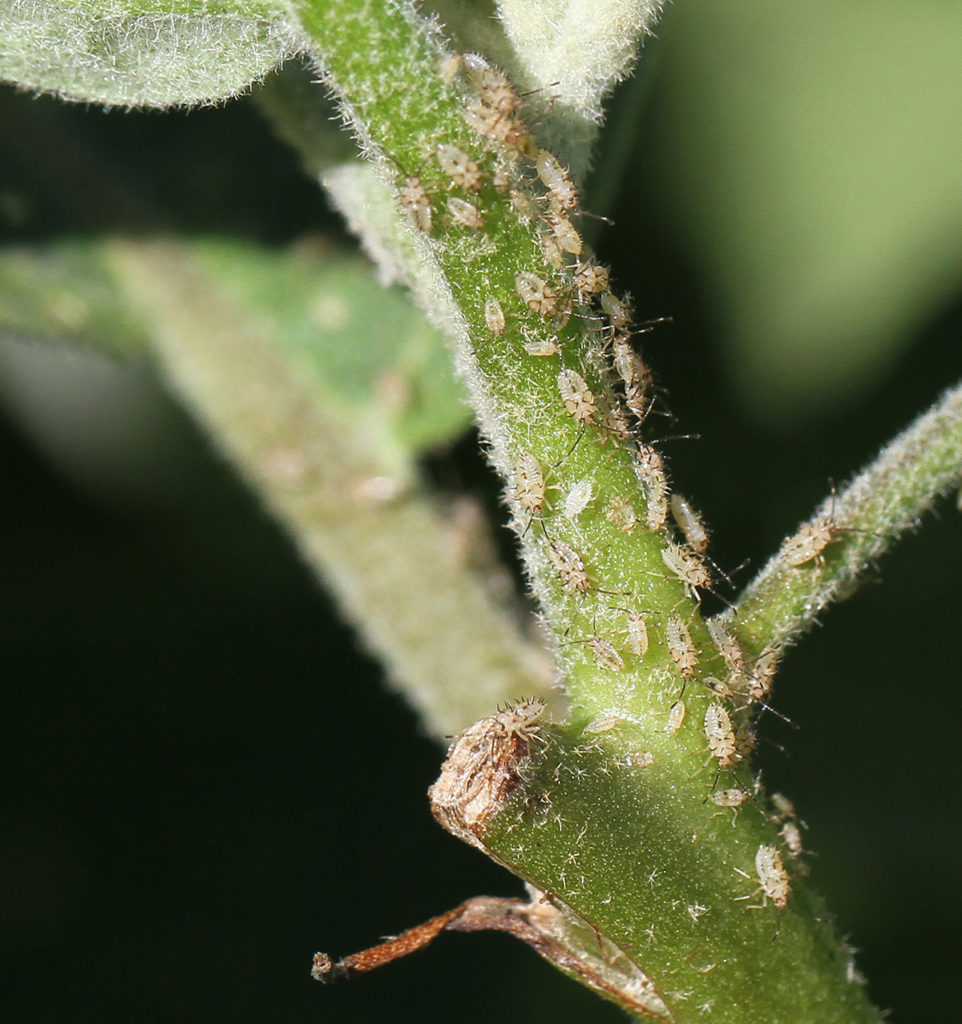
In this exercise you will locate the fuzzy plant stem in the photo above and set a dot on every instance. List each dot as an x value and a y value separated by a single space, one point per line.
823 561
612 815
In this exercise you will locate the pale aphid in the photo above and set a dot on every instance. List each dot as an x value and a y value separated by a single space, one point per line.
621 514
494 316
637 634
579 400
556 180
494 89
522 206
618 311
459 167
590 279
613 418
569 566
782 806
603 723
552 251
464 213
505 129
745 740
416 204
606 654
690 523
729 649
687 567
448 68
542 348
529 486
809 543
635 376
774 883
565 235
680 646
762 675
577 498
650 470
729 797
676 715
721 736
792 835
537 293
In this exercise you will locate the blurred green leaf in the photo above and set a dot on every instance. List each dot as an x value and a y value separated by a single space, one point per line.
142 52
364 349
812 162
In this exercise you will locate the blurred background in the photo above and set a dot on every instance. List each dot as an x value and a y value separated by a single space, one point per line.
205 778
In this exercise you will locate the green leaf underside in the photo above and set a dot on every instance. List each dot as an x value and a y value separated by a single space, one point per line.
152 54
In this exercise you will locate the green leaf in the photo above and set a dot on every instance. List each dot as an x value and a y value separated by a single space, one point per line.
818 189
151 53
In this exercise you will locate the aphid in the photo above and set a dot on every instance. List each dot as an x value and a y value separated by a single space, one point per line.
577 499
522 206
690 523
606 654
494 89
621 514
416 204
556 180
529 488
618 311
650 470
552 251
565 235
604 723
541 348
449 67
745 739
783 807
459 167
613 418
728 648
501 178
721 736
681 647
491 123
729 797
637 634
464 213
591 279
687 566
676 715
792 835
635 375
579 400
763 675
494 316
537 293
774 883
809 543
570 567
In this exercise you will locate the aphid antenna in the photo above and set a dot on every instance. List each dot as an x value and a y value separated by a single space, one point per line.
648 326
767 707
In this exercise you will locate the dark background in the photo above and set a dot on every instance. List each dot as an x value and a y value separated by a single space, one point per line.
205 779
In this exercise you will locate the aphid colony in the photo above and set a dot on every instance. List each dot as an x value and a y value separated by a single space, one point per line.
542 194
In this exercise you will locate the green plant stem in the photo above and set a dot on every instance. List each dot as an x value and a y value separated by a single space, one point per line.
641 789
660 879
887 498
